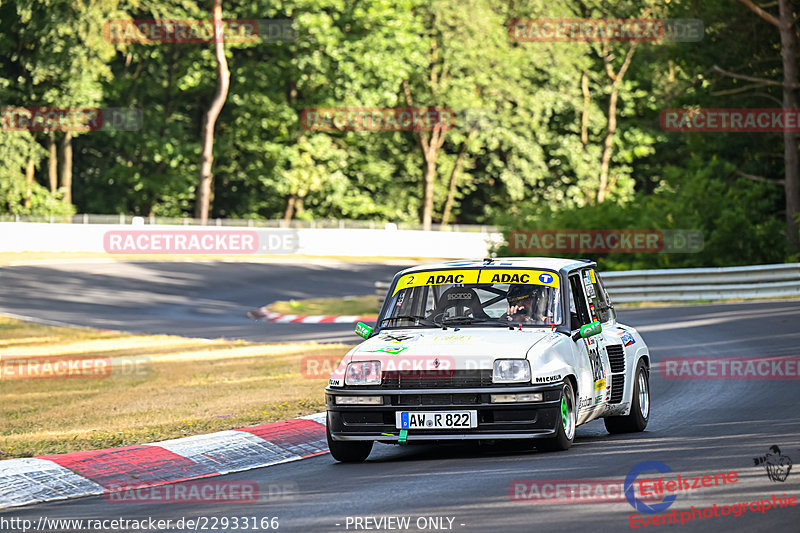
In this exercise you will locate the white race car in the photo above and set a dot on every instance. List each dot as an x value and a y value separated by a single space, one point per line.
504 348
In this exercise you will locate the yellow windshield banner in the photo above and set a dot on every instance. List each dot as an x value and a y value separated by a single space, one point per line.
488 275
519 276
437 277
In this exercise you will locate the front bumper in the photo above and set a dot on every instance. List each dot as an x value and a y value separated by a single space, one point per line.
517 420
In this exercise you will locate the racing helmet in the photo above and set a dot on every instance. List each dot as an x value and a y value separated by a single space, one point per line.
517 293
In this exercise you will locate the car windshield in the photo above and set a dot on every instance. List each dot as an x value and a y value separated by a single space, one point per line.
485 297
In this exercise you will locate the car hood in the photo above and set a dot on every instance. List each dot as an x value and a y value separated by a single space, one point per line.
465 348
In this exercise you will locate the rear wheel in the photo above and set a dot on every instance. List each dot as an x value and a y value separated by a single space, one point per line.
568 417
640 406
348 451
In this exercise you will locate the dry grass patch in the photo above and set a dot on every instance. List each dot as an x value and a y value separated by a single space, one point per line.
160 387
353 305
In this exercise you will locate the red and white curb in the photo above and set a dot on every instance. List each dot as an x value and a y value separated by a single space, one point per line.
261 312
71 475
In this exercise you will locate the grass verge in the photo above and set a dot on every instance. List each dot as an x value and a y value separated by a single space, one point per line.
353 305
159 387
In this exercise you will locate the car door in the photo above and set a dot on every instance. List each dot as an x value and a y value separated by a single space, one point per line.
615 338
593 387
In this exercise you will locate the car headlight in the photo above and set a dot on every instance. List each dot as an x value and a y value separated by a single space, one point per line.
511 371
363 373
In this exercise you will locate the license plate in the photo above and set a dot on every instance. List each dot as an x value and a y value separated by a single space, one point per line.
436 419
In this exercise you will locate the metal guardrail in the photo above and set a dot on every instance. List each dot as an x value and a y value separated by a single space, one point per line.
689 284
251 223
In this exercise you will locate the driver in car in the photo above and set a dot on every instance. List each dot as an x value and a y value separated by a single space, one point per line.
526 303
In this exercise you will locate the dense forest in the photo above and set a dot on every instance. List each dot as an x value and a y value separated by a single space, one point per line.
546 133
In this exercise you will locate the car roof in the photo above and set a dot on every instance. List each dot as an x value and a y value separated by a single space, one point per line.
546 263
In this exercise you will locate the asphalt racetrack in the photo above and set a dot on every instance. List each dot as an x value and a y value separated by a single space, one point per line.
192 299
697 427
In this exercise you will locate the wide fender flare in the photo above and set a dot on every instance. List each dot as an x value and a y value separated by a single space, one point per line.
553 363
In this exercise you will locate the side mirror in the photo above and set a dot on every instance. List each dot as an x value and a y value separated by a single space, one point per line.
588 330
363 330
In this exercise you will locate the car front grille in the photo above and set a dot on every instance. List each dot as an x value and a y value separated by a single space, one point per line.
438 399
616 356
452 379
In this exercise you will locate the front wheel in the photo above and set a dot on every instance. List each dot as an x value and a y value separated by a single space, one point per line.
348 451
567 422
640 406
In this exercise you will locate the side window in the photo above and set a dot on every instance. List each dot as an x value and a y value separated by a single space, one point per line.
577 302
599 306
605 301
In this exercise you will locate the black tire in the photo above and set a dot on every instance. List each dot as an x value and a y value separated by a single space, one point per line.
566 423
348 451
637 420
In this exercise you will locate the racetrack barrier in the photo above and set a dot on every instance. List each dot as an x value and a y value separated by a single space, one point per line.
691 284
144 238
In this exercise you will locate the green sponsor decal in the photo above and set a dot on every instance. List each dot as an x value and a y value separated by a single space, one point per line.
591 329
363 330
394 350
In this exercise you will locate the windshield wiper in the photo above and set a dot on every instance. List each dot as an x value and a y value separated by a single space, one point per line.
421 319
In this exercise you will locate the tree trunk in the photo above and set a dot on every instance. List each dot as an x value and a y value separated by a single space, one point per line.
203 204
785 24
790 156
430 145
66 166
52 163
29 179
585 113
608 145
451 189
427 201
587 102
289 213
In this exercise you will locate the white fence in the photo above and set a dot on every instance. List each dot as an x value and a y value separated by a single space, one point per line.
146 238
240 222
689 284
